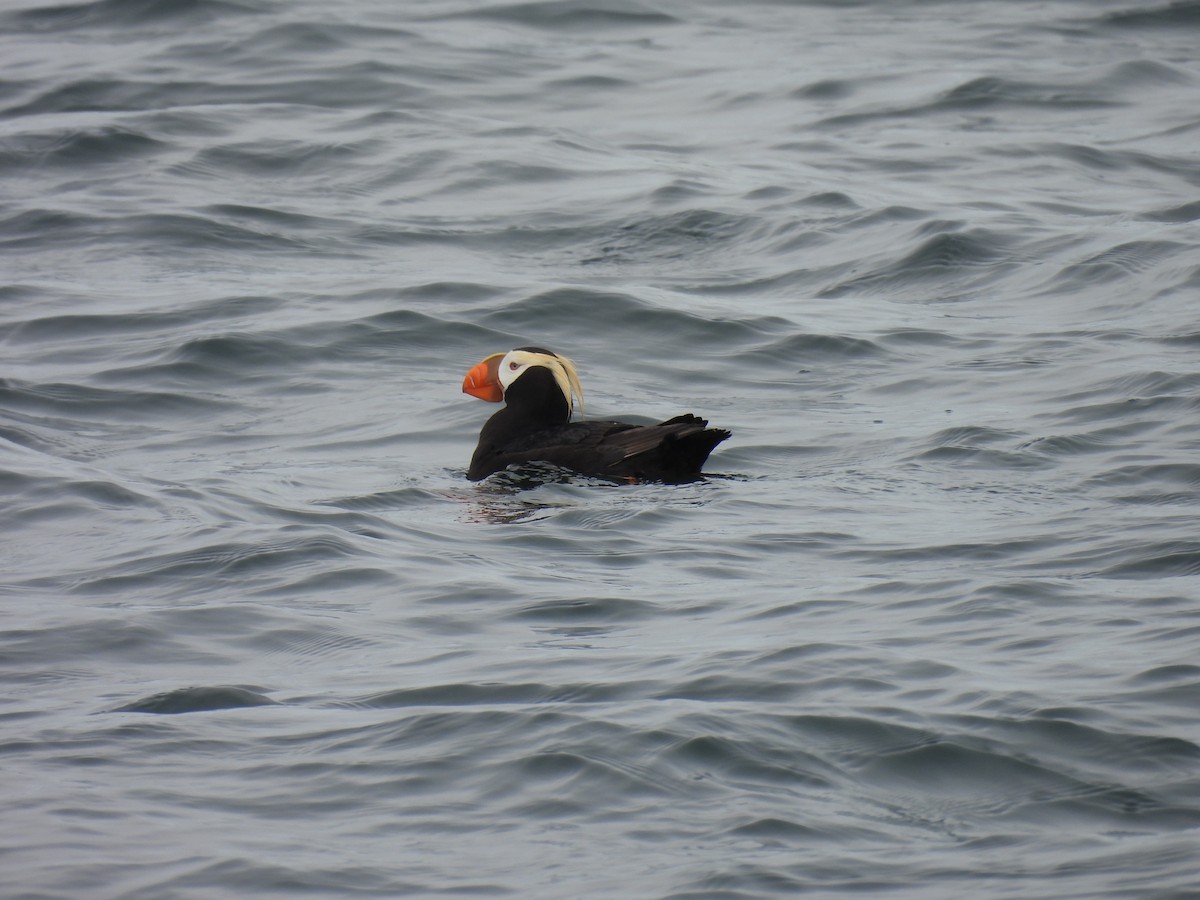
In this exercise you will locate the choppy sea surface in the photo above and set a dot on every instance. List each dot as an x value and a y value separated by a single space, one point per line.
931 628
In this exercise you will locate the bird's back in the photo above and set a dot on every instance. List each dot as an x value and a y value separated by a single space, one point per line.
672 451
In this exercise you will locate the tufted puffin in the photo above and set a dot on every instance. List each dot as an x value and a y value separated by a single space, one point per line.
538 388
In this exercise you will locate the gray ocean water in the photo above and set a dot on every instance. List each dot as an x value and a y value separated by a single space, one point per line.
930 629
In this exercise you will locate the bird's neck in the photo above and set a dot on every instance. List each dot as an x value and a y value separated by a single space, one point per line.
535 400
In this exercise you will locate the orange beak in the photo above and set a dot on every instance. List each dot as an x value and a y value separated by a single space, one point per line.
483 381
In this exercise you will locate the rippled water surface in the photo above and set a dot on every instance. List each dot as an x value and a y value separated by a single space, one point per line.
931 628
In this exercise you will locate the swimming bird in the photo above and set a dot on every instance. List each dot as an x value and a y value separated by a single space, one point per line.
538 388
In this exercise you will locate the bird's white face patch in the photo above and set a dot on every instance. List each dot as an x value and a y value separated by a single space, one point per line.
515 362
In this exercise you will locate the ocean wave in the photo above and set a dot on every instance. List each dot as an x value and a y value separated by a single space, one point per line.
1176 14
81 147
81 402
198 699
955 261
119 13
570 15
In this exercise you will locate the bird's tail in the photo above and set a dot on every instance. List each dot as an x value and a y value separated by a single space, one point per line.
691 446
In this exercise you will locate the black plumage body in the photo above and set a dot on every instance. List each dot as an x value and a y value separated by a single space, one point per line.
535 426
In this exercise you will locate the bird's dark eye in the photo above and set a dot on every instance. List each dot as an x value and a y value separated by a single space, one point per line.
513 366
